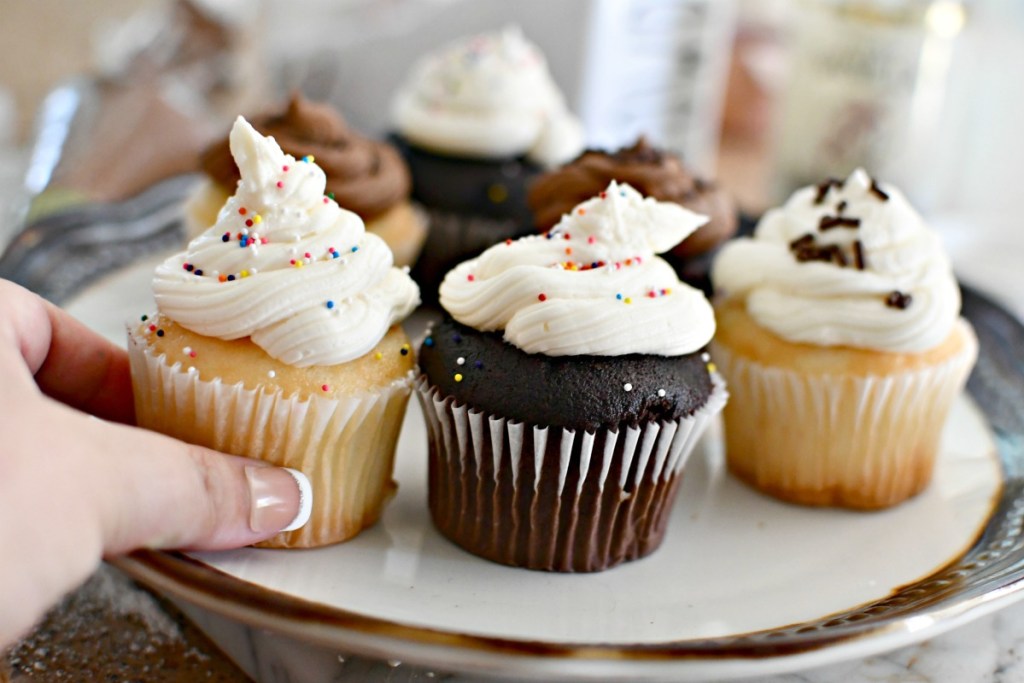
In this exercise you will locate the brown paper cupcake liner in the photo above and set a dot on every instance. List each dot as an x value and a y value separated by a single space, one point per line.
853 441
553 498
344 445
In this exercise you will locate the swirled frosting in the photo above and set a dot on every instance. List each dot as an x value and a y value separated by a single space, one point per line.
845 263
592 285
365 176
651 171
487 96
285 266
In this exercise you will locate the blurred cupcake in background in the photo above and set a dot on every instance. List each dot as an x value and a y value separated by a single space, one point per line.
568 388
654 172
840 335
476 120
365 176
278 336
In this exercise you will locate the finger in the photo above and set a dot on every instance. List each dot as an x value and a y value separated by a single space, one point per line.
163 493
71 363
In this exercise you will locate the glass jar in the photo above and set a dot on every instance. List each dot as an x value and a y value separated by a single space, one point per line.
866 86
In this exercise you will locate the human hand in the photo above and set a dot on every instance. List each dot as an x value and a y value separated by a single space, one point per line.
74 489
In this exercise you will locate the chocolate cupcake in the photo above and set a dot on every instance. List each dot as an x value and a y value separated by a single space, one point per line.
476 120
365 176
568 389
654 173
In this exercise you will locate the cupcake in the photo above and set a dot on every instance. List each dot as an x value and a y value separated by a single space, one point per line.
364 176
277 337
566 391
654 173
476 121
841 338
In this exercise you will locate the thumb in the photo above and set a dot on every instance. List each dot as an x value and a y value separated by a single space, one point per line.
164 493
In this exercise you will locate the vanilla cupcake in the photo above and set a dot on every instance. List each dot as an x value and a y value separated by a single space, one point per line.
367 177
277 337
841 338
476 120
566 393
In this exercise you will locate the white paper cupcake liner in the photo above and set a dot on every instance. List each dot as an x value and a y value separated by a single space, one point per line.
344 445
554 498
855 441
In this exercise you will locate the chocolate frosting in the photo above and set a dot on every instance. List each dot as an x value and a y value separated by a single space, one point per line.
577 392
365 176
653 172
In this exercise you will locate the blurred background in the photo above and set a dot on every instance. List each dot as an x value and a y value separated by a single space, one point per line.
765 95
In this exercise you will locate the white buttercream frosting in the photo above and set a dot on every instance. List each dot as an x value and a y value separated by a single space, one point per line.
488 96
286 266
593 285
828 304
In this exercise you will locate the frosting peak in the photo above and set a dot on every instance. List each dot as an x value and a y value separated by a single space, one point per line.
365 176
653 172
845 263
593 285
488 96
285 265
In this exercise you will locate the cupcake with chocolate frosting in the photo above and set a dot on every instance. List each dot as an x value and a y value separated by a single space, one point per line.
654 172
278 336
841 338
365 176
567 389
476 120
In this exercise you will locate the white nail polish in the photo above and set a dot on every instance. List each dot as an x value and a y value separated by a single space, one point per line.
305 500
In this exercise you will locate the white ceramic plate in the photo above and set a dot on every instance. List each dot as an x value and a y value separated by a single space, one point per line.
743 584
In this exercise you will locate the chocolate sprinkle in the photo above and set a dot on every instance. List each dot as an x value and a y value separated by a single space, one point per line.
838 256
841 207
824 187
878 192
830 222
806 240
814 253
898 299
805 249
858 255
